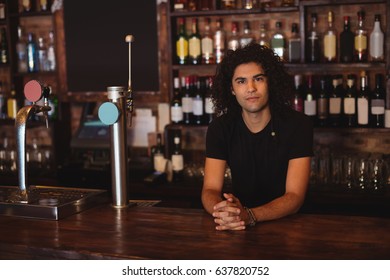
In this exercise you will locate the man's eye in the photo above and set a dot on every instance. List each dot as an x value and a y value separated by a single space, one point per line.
240 81
261 78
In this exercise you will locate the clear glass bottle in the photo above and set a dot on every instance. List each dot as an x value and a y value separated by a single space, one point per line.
51 55
278 41
294 45
363 101
181 43
21 52
207 44
233 41
377 41
219 41
42 55
346 42
330 41
377 112
263 37
313 50
194 44
176 106
349 102
361 40
247 37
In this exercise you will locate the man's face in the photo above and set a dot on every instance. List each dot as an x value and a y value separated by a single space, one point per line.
250 87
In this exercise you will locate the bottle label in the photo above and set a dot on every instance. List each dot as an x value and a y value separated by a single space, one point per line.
362 104
349 106
197 104
377 107
208 105
159 162
182 48
194 49
310 107
330 46
335 105
207 46
177 162
176 114
322 108
360 43
187 104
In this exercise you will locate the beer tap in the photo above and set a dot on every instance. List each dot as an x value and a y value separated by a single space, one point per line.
129 98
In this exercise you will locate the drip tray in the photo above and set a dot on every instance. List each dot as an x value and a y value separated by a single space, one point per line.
49 202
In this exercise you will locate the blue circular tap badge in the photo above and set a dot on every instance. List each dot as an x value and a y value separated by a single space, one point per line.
108 113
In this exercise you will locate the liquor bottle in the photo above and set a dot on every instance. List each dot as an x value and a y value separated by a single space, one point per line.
28 6
363 101
180 5
21 52
335 105
182 43
197 101
346 42
228 4
42 55
32 54
44 5
207 44
186 101
377 41
194 44
263 37
177 160
361 40
378 103
12 104
233 41
330 41
176 106
247 36
313 50
310 103
208 102
294 45
219 41
158 154
51 55
4 55
297 102
349 104
322 104
278 41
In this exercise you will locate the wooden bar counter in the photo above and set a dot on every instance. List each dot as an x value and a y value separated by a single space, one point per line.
140 232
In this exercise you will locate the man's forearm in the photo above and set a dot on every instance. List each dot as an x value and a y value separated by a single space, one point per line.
209 199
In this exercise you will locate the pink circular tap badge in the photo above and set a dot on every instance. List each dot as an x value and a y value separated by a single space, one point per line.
33 91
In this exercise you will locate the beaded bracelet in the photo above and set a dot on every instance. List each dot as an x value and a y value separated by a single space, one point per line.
252 217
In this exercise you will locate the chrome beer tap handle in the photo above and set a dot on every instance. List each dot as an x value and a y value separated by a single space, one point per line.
129 97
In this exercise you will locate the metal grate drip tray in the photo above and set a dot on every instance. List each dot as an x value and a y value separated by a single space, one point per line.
49 202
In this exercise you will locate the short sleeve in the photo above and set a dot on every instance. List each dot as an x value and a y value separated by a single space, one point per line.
216 146
302 139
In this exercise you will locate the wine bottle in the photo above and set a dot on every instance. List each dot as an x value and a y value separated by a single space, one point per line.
278 41
310 103
330 41
378 103
297 102
335 105
186 101
177 160
194 44
181 43
323 104
361 40
377 41
208 102
363 101
349 102
176 106
346 42
158 154
197 101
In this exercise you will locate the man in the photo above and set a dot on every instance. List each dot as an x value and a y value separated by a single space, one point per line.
266 144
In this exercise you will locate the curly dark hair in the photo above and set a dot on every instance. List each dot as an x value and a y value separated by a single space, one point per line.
280 84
